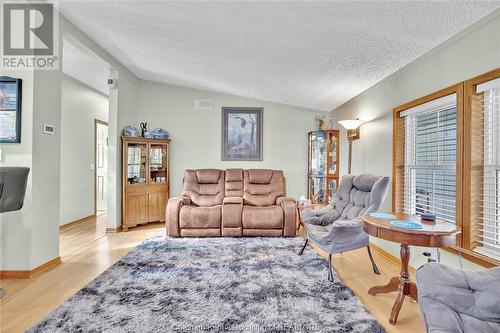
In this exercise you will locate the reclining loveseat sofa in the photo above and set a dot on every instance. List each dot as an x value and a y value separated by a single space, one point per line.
232 203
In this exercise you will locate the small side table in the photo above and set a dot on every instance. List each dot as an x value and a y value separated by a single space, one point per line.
439 234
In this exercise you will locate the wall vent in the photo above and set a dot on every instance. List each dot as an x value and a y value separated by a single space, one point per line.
203 104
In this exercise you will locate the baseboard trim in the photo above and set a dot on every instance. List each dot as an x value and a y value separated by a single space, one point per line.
115 229
390 257
82 220
27 274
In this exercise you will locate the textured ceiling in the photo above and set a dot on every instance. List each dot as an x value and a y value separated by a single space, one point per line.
311 54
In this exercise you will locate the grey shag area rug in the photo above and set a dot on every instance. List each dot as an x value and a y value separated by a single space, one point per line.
214 285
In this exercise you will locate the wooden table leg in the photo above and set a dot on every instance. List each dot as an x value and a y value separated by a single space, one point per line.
401 284
390 287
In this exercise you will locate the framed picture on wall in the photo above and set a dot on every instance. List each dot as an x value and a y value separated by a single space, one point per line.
242 134
10 110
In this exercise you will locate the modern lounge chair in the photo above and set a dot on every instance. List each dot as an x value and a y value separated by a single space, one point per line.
454 300
338 227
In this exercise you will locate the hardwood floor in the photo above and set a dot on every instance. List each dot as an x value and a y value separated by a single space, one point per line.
87 251
76 236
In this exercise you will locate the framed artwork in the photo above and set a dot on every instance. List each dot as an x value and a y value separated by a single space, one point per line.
242 134
10 110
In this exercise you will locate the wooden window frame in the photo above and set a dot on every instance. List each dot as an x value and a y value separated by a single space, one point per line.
468 232
398 157
464 92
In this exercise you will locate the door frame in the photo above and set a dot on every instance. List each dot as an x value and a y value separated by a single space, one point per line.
96 122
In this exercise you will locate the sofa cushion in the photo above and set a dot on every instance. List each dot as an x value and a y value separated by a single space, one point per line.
365 195
270 217
231 216
263 194
208 176
453 300
358 203
365 182
233 201
200 217
260 176
204 187
234 175
234 182
356 195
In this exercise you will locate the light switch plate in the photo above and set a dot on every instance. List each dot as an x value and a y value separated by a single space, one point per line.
49 129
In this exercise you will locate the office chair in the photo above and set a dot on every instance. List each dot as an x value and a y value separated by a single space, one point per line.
13 182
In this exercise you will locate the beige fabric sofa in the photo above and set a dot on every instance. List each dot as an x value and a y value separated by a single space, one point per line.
232 202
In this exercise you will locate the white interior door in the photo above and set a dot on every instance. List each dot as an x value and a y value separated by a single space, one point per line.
101 166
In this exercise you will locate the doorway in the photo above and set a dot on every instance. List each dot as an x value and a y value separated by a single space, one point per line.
101 167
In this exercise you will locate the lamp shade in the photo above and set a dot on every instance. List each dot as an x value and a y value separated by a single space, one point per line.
351 124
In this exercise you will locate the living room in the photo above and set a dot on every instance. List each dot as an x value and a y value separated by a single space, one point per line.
269 166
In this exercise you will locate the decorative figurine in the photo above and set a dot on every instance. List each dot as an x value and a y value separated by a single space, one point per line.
130 130
321 122
144 128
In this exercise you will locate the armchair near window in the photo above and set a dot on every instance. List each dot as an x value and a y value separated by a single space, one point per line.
453 300
338 227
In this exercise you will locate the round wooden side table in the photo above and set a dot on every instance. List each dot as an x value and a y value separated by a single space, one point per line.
438 234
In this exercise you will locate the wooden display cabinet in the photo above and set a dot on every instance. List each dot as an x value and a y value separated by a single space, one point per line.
145 180
323 165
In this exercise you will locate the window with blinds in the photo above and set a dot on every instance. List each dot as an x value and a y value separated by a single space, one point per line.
430 136
446 161
487 103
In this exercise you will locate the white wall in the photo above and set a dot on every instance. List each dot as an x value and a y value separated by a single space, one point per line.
30 237
80 106
470 53
46 167
196 135
15 226
83 67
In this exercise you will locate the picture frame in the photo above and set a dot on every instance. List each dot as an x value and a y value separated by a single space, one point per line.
242 133
10 109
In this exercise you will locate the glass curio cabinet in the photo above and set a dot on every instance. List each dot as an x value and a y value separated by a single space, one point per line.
323 161
145 182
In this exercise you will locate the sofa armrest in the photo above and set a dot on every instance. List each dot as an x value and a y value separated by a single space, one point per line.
290 217
172 215
232 200
186 200
280 200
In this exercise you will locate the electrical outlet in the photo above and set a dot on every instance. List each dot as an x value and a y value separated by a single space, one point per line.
432 254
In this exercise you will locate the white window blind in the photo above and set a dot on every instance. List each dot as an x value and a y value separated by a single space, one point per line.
490 224
430 158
